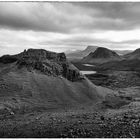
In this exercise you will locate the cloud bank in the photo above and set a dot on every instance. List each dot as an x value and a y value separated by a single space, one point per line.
61 26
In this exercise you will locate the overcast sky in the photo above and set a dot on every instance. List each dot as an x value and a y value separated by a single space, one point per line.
61 26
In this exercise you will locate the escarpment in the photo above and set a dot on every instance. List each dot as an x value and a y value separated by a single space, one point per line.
49 63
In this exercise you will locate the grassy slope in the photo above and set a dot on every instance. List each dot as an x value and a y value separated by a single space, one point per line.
24 89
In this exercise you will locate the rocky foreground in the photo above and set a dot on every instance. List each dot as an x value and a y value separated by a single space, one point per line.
82 123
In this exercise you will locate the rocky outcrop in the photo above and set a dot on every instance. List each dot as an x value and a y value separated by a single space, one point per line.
7 59
41 55
49 63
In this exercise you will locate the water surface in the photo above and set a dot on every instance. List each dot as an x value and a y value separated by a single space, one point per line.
88 72
88 65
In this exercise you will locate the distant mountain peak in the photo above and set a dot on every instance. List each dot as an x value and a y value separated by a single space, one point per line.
102 52
101 55
82 53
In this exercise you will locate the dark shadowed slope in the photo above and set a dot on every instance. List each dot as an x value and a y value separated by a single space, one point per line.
101 55
130 62
42 79
133 55
124 65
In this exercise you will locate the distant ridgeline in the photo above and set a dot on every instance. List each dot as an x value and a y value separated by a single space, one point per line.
50 63
101 55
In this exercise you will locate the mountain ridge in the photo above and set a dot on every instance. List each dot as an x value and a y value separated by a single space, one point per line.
79 54
133 55
101 55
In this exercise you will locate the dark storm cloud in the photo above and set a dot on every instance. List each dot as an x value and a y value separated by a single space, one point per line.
42 16
30 16
62 25
115 15
69 17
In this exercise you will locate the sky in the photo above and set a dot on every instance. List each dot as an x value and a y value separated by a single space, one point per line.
68 26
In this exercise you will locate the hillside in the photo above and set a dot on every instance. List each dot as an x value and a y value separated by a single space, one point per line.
124 65
133 55
42 79
101 55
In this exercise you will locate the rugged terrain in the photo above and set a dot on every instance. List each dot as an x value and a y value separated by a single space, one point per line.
44 95
122 76
38 78
81 123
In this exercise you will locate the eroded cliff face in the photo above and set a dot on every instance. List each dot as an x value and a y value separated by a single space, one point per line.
41 55
49 63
